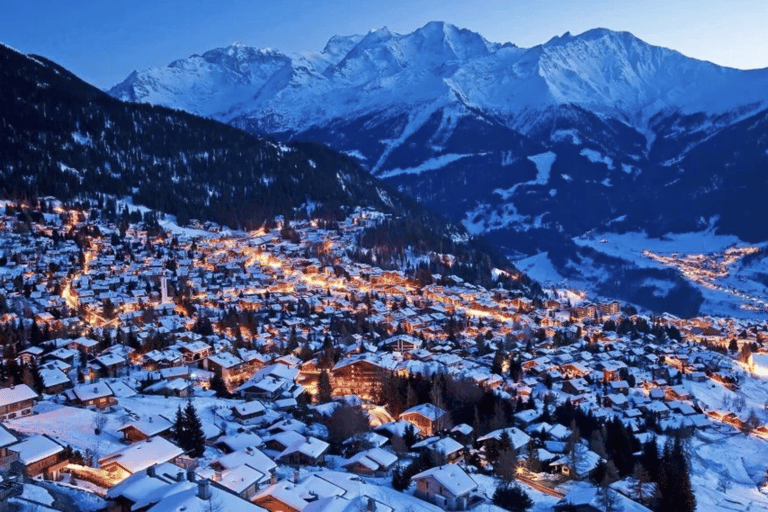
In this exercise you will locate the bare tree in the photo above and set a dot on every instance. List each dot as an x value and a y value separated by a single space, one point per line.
99 422
723 483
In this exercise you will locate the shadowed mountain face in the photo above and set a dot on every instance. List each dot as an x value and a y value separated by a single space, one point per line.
594 131
65 138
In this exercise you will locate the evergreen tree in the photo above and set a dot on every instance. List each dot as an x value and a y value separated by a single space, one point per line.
219 386
194 431
37 380
409 435
512 498
178 432
324 388
675 490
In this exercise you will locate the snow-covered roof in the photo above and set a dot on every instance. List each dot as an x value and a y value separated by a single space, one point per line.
250 456
6 437
517 436
247 408
427 410
141 455
311 447
373 458
284 492
92 391
225 359
149 426
451 477
16 394
36 448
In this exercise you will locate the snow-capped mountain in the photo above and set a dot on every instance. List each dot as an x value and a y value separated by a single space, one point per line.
529 146
610 73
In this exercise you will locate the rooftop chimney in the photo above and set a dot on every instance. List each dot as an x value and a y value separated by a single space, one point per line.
180 476
371 505
204 489
191 475
151 470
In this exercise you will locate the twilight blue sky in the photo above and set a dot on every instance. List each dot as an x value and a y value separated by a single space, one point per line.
102 41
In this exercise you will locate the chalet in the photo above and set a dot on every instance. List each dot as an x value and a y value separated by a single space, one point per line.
249 413
167 487
139 456
361 374
54 380
84 345
375 461
445 449
309 452
16 401
242 481
144 429
280 497
449 487
402 343
40 456
31 355
575 386
195 351
462 433
97 394
426 417
283 440
227 366
518 439
269 383
7 457
110 363
585 463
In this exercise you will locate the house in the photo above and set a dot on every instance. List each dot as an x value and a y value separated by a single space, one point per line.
269 383
282 496
84 345
375 461
7 457
426 417
16 401
54 380
445 449
111 363
449 487
145 428
249 413
283 440
243 471
310 452
97 394
139 456
227 366
518 439
361 375
40 456
166 487
402 343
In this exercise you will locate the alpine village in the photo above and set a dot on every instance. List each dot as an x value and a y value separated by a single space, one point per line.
195 318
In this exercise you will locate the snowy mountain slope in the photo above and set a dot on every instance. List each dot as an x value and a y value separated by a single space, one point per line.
642 138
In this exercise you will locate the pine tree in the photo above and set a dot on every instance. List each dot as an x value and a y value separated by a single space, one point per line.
37 379
324 389
194 431
179 432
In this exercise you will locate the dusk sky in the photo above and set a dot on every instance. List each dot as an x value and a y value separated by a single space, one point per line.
103 41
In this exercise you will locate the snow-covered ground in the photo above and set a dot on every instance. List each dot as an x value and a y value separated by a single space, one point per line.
743 286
